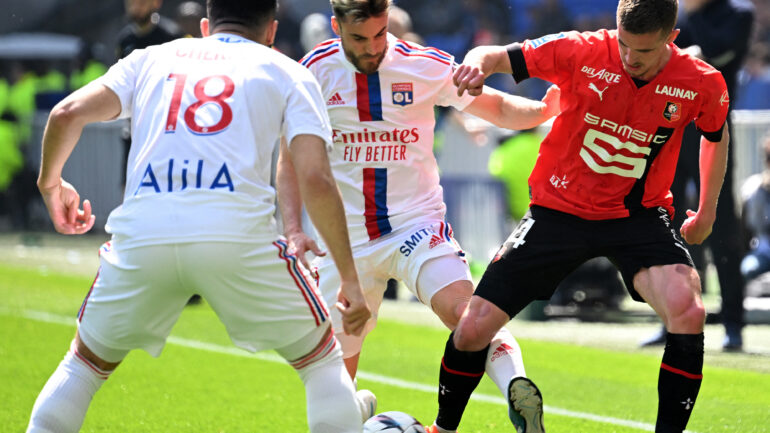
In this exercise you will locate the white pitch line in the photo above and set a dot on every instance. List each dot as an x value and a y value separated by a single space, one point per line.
386 380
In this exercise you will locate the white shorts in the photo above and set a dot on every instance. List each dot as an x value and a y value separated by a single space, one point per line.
262 294
400 255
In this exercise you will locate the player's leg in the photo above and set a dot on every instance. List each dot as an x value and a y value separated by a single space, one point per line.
374 288
350 345
517 276
451 274
329 391
444 282
437 273
657 269
450 300
112 321
266 298
63 402
351 362
464 360
673 291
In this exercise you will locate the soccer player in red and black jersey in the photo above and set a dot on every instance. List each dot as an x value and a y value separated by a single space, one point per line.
600 187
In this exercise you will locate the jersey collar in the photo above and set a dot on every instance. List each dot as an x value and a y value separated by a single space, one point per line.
230 38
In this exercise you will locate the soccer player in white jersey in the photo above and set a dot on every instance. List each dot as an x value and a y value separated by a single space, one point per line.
381 93
197 215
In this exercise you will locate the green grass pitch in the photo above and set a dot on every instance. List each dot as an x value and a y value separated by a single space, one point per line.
202 383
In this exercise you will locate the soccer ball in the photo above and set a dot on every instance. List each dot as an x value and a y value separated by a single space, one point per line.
393 422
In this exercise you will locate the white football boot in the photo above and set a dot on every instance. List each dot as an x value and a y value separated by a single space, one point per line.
525 406
367 403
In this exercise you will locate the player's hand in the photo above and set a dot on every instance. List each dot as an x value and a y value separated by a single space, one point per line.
468 78
300 243
352 304
552 101
63 203
697 227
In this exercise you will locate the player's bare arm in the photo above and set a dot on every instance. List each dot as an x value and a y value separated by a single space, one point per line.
92 103
290 204
514 112
713 164
478 64
324 205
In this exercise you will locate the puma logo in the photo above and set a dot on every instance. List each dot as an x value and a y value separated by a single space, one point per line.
593 87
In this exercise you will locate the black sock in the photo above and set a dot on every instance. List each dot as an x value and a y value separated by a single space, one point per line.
460 373
681 373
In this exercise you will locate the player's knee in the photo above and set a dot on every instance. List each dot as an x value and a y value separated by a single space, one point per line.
479 325
450 313
686 313
86 353
696 316
687 318
314 348
468 338
450 303
459 308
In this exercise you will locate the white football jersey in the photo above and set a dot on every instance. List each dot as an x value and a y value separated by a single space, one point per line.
383 133
206 115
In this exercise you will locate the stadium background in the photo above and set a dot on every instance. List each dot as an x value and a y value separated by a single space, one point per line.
49 36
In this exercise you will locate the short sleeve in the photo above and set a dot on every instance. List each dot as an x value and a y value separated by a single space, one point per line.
121 79
549 57
713 113
305 109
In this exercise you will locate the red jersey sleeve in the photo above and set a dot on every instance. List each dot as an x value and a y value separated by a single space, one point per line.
713 112
551 57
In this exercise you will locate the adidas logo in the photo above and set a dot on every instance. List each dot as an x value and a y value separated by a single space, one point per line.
502 350
335 100
434 240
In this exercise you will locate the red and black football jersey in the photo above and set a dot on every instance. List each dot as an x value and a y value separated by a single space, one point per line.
614 148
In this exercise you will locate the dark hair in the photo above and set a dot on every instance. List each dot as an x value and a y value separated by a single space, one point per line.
248 13
647 16
359 10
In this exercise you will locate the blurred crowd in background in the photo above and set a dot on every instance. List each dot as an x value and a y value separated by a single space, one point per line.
99 32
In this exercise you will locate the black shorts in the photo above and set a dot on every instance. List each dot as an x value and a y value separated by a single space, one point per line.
548 245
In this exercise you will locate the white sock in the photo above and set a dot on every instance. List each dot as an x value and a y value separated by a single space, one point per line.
63 402
331 401
504 360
